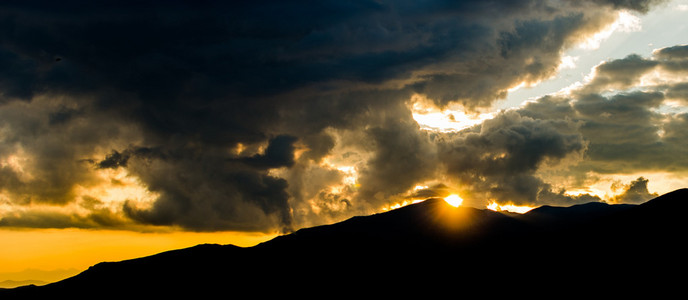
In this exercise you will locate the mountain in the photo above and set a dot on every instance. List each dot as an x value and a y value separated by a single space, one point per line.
34 276
425 247
16 283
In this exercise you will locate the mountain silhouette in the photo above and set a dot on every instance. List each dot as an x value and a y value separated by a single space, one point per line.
15 283
424 247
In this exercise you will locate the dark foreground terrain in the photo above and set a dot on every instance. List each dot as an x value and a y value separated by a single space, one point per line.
588 250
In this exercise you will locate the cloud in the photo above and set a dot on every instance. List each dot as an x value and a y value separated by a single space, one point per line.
636 192
52 217
244 116
624 127
629 129
620 73
279 153
247 201
678 92
403 155
41 159
639 5
499 159
118 159
674 52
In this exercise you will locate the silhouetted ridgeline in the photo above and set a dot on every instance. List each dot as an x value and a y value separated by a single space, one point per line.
429 246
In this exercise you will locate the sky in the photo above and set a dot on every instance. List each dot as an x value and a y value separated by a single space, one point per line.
132 127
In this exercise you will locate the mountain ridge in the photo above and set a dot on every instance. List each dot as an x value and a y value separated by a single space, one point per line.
552 244
16 283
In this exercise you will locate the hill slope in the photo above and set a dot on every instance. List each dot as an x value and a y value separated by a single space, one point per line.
420 245
16 283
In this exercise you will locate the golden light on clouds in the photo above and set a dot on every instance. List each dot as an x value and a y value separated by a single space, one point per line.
452 118
625 22
521 209
401 204
607 186
117 186
411 111
17 162
349 176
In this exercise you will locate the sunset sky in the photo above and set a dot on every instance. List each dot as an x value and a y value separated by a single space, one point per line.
132 127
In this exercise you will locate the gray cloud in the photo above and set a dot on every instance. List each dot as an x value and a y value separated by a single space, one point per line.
228 111
207 191
678 91
638 5
43 160
499 159
279 153
96 218
608 126
628 129
674 52
403 155
620 73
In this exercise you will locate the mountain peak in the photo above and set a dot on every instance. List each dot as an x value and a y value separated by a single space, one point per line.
677 200
424 243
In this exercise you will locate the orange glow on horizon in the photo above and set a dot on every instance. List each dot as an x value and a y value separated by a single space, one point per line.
401 204
51 249
454 200
521 209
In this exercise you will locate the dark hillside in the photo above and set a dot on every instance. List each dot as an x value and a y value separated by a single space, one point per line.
428 244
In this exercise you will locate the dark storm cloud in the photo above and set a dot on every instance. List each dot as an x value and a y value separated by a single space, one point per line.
500 157
42 160
620 72
207 103
403 156
526 53
118 159
237 200
279 153
208 190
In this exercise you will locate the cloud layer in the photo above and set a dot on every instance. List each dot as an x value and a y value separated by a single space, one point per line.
267 115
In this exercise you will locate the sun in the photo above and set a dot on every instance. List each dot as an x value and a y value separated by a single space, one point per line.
453 200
